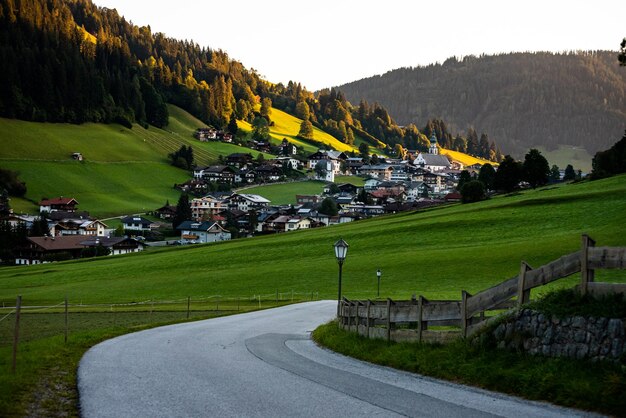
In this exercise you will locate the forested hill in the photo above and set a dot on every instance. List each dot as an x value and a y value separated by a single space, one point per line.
521 99
72 61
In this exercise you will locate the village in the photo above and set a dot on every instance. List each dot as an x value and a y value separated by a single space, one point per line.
219 209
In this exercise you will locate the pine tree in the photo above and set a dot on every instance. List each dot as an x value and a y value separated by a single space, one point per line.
183 211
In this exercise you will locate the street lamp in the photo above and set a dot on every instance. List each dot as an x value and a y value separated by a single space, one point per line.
378 274
341 250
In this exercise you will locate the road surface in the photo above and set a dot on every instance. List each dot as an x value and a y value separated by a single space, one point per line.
262 364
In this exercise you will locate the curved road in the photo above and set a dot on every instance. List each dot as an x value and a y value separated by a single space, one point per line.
262 364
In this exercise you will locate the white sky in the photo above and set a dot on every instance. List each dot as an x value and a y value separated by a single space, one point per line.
324 43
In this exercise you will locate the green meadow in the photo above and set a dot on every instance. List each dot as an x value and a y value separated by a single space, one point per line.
435 252
285 193
124 170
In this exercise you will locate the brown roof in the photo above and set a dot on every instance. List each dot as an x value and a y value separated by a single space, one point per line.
58 201
68 242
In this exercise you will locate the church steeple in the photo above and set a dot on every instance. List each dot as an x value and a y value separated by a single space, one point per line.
434 149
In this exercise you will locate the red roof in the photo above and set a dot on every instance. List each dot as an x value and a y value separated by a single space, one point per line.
58 201
453 196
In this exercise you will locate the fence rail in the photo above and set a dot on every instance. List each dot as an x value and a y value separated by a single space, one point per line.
412 320
21 323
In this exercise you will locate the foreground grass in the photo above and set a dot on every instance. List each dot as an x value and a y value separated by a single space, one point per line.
591 386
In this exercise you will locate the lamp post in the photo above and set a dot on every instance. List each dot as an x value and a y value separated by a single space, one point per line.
341 250
378 274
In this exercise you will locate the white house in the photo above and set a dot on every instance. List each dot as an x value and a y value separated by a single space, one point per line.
296 223
246 202
202 232
136 223
328 174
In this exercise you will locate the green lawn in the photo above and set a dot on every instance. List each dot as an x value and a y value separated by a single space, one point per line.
285 194
355 180
435 253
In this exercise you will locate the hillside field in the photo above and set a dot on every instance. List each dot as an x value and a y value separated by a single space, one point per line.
288 126
436 253
124 171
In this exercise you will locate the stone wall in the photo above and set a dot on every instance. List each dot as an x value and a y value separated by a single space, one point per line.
576 337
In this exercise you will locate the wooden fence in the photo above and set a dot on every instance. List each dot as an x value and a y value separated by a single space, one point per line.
413 320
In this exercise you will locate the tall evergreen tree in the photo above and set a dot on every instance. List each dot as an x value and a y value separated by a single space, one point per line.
509 175
536 170
183 211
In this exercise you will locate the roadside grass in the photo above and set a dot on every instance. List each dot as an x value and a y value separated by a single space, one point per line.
45 380
584 385
284 194
436 253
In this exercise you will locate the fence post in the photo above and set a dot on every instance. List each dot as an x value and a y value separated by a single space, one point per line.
188 302
259 301
66 321
389 319
356 316
586 274
464 296
277 296
420 322
18 307
367 324
523 296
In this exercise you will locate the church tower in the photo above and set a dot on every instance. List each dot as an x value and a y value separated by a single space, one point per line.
434 149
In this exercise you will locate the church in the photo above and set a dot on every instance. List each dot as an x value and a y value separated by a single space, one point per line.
432 161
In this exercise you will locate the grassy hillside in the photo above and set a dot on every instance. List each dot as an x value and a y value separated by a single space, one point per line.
466 159
287 126
125 170
436 253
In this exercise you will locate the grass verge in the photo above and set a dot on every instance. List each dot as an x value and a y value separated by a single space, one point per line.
590 386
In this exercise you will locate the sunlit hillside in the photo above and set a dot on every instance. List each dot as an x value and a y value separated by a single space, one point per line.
288 126
465 158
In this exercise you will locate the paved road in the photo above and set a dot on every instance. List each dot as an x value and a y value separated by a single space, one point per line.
262 364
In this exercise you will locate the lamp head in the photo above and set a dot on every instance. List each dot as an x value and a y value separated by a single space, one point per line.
341 250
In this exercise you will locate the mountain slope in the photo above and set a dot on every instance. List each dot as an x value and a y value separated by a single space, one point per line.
520 99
